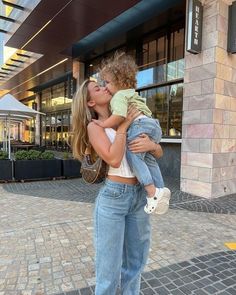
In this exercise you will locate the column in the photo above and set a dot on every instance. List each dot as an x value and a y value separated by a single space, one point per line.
37 120
78 72
208 156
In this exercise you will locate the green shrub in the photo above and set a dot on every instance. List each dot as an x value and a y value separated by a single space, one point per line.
34 155
3 155
66 156
21 155
47 155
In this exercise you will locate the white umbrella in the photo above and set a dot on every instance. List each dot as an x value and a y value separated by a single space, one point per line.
11 108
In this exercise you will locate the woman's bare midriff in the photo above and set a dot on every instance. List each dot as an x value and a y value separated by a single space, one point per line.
125 180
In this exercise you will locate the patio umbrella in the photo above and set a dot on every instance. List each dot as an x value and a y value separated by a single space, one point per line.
10 109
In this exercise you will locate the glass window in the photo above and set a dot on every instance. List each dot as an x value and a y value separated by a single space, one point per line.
175 68
152 62
48 133
157 102
46 99
57 97
175 109
165 102
43 124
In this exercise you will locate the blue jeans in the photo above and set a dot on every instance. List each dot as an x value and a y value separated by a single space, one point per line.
144 165
122 238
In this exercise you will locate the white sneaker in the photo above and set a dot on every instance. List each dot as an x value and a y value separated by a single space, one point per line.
163 202
152 202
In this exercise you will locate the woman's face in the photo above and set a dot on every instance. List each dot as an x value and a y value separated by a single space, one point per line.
99 95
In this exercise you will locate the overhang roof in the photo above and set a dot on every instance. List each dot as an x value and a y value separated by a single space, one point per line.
73 22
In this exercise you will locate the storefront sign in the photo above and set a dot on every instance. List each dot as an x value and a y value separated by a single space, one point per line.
194 26
232 28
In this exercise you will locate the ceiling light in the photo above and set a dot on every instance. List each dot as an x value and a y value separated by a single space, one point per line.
8 19
4 69
36 34
11 65
3 31
13 5
21 61
23 55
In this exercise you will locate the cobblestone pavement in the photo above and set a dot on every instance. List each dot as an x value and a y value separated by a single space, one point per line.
46 242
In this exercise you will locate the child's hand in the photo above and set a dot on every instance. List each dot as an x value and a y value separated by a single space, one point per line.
98 122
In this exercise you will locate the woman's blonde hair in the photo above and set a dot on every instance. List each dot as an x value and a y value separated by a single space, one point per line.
81 116
122 70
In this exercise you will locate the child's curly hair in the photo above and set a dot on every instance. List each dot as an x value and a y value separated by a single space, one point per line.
122 70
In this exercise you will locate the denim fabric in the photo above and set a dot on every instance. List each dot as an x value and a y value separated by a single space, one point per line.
144 165
122 238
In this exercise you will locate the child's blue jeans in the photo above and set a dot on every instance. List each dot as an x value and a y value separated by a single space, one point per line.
144 165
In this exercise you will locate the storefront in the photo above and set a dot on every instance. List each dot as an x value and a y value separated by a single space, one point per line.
55 102
191 93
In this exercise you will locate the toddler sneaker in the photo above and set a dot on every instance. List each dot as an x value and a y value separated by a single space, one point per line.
159 202
152 202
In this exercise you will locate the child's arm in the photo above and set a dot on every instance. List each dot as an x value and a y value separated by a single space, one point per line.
112 122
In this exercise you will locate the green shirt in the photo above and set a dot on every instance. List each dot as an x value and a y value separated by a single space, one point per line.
123 98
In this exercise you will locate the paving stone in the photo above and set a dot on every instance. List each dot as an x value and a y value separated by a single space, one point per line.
148 291
46 241
162 290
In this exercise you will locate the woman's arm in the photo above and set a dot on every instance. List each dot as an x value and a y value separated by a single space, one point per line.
111 153
144 144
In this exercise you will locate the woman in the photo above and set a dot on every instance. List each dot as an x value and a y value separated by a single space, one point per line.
122 229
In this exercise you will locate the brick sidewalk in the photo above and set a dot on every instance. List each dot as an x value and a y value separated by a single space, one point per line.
46 242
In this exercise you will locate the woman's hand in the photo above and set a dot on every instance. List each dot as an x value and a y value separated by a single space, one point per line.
144 144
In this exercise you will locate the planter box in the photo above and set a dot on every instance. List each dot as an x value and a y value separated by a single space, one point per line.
71 168
37 169
5 170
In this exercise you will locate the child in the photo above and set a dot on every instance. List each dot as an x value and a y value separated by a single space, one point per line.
119 74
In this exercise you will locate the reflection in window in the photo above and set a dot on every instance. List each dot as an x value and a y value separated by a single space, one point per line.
166 105
161 59
175 109
152 62
157 102
56 97
55 130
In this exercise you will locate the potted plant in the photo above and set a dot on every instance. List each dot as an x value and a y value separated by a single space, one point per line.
70 166
34 164
5 167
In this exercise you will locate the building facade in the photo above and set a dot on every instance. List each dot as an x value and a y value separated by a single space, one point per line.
192 95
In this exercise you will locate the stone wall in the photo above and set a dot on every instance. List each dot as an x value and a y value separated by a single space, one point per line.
208 156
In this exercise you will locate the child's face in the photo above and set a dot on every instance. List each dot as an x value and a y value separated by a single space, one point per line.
110 86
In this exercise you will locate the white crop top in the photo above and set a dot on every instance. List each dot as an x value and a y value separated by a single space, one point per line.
124 169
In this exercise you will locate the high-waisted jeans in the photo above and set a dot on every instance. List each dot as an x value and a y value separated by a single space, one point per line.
122 238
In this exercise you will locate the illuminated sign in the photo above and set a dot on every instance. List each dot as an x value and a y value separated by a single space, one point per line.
194 26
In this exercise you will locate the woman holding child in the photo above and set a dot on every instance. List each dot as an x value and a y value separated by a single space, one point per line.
122 228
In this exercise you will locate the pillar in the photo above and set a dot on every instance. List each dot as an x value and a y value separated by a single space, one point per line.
37 120
208 155
78 70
